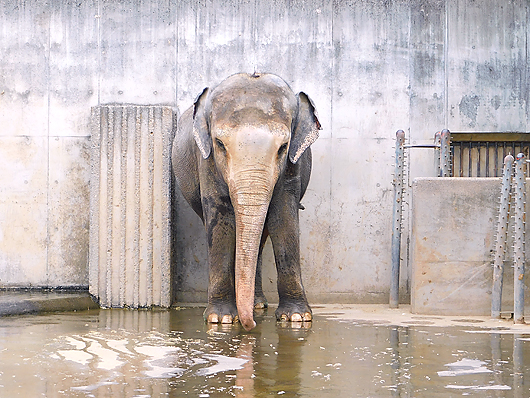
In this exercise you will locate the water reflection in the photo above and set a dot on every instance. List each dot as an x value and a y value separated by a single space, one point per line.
518 376
272 354
395 363
245 376
118 353
472 370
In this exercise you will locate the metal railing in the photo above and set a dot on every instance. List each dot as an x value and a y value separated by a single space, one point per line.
519 193
472 155
482 154
441 145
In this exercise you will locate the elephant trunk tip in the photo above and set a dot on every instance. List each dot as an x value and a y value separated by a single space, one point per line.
247 321
248 324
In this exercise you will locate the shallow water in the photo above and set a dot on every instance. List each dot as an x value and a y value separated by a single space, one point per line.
121 353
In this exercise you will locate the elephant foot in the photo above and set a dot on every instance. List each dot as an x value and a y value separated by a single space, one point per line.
260 302
221 313
294 312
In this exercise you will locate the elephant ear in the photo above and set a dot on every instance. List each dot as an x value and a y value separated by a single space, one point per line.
200 125
306 130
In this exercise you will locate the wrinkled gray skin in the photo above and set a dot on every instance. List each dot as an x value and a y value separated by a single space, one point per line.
242 160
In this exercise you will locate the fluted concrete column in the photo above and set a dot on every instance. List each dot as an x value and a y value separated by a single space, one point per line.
129 254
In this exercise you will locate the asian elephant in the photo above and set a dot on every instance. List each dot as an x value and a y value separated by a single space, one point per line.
242 160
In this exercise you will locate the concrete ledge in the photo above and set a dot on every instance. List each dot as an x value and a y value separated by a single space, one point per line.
32 302
382 315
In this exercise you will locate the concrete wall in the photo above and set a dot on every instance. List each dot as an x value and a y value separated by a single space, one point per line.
371 67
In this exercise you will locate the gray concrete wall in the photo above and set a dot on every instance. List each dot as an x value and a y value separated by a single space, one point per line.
371 67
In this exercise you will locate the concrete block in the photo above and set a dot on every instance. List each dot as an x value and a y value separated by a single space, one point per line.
452 241
129 253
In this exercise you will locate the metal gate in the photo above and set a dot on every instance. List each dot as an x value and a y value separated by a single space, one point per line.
482 154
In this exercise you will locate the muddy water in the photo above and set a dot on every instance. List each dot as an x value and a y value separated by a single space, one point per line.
120 353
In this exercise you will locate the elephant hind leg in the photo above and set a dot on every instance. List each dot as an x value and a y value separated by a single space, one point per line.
260 301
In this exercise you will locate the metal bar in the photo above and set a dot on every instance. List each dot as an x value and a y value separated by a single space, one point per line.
445 139
421 146
502 230
487 159
478 159
496 160
519 253
491 136
527 154
396 220
470 164
461 170
437 152
452 156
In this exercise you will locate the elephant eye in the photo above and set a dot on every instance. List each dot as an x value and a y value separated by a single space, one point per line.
220 144
282 149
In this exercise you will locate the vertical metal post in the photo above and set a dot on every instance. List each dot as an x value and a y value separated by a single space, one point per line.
437 138
445 140
502 230
396 220
518 252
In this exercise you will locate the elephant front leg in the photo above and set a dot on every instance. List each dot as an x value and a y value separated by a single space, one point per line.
284 231
220 230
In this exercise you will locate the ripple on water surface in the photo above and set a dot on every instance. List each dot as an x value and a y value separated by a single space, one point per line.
123 353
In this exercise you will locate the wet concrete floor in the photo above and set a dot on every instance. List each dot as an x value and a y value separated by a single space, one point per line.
347 351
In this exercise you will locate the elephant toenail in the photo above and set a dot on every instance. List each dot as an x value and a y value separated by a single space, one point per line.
213 318
308 317
283 317
296 318
227 319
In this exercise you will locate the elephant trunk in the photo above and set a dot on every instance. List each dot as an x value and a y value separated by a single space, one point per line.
251 202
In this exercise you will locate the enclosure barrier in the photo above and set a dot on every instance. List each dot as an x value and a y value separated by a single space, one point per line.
445 151
519 238
502 235
129 245
396 220
442 143
519 253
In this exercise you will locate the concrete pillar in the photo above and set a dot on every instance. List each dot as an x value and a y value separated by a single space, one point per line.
129 253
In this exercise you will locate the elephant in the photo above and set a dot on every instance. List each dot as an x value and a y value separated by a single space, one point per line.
241 157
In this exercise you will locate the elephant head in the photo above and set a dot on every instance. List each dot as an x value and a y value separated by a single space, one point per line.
252 126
